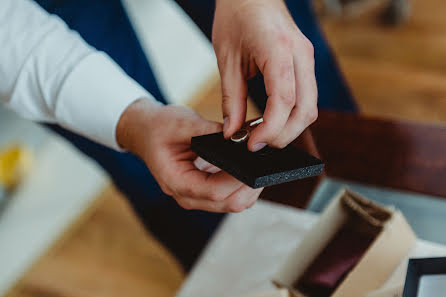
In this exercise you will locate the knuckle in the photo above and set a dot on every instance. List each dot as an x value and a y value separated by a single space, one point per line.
184 203
223 61
236 207
269 134
186 191
221 52
284 39
308 46
287 74
288 100
312 115
215 196
165 189
279 143
225 98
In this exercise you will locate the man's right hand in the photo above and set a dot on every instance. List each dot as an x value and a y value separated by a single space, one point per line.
260 35
160 135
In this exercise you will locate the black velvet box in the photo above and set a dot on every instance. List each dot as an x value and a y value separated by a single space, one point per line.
264 168
425 277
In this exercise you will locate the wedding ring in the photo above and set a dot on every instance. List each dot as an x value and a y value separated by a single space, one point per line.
242 135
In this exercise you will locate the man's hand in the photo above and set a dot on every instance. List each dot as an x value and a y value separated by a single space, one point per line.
253 35
160 135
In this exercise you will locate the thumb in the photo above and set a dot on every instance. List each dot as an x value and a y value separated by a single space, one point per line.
234 92
202 126
209 127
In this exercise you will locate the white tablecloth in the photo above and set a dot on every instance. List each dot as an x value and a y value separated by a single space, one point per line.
250 247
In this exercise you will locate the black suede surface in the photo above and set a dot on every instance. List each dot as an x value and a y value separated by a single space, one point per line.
264 168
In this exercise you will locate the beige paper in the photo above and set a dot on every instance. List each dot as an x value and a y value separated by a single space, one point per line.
395 291
275 293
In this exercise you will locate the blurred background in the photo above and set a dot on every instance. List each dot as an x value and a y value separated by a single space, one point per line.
65 230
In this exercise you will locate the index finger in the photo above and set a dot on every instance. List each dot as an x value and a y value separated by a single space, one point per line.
218 186
280 86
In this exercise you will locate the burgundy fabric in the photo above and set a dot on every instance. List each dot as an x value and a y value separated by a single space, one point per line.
336 260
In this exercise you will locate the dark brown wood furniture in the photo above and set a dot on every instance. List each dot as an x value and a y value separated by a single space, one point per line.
385 153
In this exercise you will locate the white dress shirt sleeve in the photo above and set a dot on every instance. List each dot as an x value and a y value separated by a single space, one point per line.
48 73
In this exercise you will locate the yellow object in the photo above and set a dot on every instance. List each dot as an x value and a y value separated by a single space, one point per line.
15 162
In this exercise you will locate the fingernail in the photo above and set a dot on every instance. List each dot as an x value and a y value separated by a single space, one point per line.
201 164
213 169
225 124
258 146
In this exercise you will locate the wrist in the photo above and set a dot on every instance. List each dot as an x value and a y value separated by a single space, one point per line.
136 119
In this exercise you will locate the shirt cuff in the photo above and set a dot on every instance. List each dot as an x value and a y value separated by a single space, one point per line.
94 96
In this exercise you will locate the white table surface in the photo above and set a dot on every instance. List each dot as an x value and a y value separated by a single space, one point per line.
250 247
62 185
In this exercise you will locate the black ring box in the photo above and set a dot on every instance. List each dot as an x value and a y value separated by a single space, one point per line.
264 168
418 268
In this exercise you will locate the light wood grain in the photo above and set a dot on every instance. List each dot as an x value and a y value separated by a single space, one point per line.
396 71
108 253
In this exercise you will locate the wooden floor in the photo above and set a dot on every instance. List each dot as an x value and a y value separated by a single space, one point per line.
393 72
396 72
108 253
